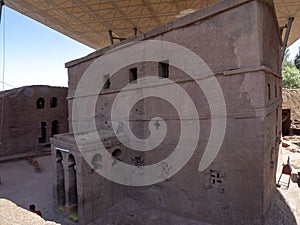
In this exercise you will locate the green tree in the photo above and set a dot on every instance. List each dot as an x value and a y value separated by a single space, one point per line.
290 73
297 60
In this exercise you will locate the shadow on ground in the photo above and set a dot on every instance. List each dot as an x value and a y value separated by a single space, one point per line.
280 212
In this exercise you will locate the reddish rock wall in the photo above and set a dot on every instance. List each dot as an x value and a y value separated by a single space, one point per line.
24 110
291 105
240 41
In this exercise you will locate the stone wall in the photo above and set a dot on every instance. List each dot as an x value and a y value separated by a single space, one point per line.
236 39
24 110
291 104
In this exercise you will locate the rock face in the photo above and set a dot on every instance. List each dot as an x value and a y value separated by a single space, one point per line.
31 115
11 214
291 110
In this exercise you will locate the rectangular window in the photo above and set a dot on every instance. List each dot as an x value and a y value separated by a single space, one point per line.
276 122
133 75
269 91
107 81
163 69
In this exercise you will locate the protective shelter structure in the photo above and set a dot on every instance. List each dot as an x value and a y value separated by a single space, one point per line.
89 21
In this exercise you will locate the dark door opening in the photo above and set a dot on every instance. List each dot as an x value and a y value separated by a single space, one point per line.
286 122
43 133
54 128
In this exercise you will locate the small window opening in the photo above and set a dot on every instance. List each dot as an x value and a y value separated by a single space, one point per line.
40 103
53 102
106 82
163 69
275 91
269 91
276 130
133 75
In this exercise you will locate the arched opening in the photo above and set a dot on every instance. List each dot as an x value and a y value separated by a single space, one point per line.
116 156
54 128
72 192
97 162
60 179
43 133
40 103
53 102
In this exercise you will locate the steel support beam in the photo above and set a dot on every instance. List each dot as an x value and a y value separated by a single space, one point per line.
286 36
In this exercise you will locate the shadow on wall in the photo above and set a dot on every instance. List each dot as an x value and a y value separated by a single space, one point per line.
280 212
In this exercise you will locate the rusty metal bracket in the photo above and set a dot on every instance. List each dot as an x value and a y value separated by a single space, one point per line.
112 38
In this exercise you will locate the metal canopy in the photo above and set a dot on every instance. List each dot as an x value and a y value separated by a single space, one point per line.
88 21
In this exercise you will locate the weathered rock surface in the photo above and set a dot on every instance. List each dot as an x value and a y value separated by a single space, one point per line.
11 214
291 100
132 212
31 115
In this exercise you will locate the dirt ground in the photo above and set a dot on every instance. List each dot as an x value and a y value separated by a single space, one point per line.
20 184
291 195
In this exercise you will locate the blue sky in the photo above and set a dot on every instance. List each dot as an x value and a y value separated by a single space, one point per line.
36 54
294 49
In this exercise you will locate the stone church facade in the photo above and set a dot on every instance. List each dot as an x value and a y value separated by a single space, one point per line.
240 42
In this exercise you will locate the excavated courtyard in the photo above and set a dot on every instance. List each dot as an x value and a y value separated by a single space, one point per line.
21 185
